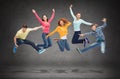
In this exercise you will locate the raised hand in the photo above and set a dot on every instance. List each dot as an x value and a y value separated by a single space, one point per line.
104 19
53 10
71 6
33 10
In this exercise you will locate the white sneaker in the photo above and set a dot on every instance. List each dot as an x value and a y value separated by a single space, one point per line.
42 51
78 49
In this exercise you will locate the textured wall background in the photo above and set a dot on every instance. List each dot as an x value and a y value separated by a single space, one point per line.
14 13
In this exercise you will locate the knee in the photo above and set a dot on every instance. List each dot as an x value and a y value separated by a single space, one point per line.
46 45
73 42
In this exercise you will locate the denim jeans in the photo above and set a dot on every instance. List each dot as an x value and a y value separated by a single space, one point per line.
101 44
75 39
62 43
28 42
47 41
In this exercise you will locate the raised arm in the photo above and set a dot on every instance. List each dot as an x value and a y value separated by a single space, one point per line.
71 12
36 15
52 16
68 24
86 23
104 23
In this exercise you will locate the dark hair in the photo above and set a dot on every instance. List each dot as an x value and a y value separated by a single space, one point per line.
24 26
43 19
93 24
64 20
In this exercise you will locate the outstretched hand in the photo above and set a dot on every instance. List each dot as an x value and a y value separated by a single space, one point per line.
33 10
81 35
53 10
71 6
104 19
16 45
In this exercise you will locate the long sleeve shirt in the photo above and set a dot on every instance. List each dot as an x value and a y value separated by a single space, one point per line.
46 25
62 30
77 23
98 33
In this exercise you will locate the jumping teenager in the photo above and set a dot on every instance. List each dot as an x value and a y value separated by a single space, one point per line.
62 30
77 21
45 22
20 38
100 38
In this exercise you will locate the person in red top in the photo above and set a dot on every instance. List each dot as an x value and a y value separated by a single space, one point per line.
45 22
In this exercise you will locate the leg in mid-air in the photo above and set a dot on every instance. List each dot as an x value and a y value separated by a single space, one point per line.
67 45
61 45
88 48
76 40
103 47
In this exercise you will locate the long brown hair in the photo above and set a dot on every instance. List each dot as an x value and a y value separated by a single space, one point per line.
64 20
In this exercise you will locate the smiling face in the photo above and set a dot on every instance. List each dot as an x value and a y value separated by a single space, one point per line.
44 18
94 27
61 23
78 15
24 29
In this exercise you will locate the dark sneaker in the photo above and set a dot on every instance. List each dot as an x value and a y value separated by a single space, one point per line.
41 51
79 51
14 49
86 41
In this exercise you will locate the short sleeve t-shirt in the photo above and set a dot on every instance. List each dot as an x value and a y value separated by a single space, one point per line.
22 35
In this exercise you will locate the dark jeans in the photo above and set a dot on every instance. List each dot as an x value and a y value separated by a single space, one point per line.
47 41
28 42
63 44
75 39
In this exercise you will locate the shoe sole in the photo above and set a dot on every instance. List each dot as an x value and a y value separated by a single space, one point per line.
42 51
78 50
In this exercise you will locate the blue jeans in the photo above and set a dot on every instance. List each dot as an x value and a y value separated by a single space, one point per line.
28 42
75 39
101 44
62 43
47 41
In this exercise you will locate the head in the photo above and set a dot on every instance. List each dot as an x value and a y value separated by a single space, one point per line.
94 26
62 22
44 18
78 15
24 27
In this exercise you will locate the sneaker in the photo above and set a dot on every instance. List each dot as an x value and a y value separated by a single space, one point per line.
86 41
41 51
78 49
14 49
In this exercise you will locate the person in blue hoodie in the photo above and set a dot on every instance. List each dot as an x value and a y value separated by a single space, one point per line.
100 38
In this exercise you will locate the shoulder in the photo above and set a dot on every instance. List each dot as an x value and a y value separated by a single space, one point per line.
29 29
20 30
